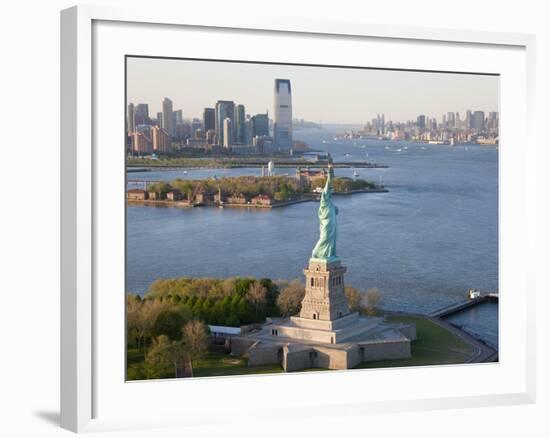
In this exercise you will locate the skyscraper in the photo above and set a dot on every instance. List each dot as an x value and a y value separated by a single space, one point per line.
209 119
227 132
478 121
159 120
259 125
130 119
469 119
240 126
141 114
282 125
421 122
225 109
167 110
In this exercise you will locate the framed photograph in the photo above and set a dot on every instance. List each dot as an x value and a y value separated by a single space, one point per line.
330 218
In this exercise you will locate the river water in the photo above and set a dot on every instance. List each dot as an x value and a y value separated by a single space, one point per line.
423 244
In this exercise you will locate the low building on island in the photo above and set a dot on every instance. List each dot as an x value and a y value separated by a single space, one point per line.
262 200
174 195
236 199
326 334
137 194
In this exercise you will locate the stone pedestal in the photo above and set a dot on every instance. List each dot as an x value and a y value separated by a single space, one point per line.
324 299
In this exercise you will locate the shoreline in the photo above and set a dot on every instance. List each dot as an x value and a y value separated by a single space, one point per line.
484 352
186 204
147 167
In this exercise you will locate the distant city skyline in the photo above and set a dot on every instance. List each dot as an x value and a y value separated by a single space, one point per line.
329 95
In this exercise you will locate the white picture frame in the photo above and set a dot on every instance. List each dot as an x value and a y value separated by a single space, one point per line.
84 172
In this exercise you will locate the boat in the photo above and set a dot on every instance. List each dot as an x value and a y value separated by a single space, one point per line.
406 147
398 150
355 174
387 147
348 155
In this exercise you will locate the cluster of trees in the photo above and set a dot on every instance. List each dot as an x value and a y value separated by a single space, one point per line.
168 339
234 301
279 188
344 184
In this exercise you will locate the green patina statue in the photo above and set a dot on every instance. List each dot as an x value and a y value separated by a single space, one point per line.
325 249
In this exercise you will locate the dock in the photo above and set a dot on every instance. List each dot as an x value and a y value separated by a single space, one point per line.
475 297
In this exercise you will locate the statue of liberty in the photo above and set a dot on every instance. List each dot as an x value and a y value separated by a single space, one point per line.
326 246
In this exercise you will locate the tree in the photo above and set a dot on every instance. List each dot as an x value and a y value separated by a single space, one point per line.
166 356
257 297
195 339
245 313
290 299
141 317
373 299
168 322
355 298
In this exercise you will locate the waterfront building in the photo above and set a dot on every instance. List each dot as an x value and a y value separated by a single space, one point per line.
137 194
209 119
262 200
211 137
326 333
227 133
282 124
240 124
174 195
167 116
141 143
196 125
225 109
130 121
162 142
236 199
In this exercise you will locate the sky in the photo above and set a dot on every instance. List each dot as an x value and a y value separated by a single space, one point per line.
328 95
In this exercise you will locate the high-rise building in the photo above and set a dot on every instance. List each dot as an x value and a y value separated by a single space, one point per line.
259 125
209 119
478 121
196 125
469 119
177 118
160 123
225 109
167 110
492 120
162 143
451 119
130 122
227 133
141 143
240 124
421 122
141 114
282 125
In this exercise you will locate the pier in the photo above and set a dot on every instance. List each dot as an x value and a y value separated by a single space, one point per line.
475 297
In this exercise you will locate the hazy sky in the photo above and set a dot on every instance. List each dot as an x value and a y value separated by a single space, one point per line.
330 95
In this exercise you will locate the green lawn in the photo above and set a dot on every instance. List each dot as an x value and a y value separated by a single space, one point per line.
434 346
221 364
